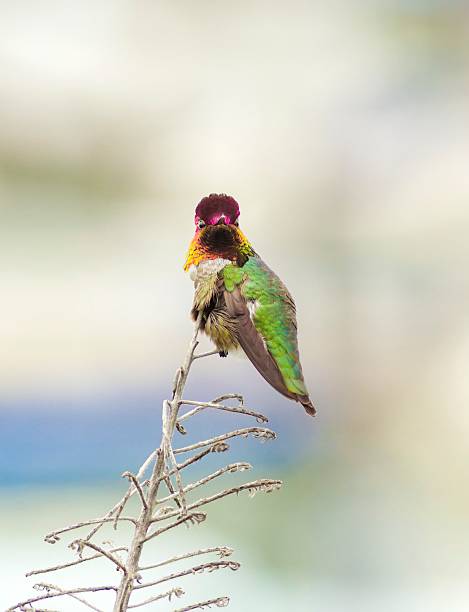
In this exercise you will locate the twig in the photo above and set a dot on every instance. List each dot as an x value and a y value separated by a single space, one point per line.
79 544
195 517
121 503
136 484
233 467
182 497
207 354
140 473
191 460
53 537
258 432
62 592
77 562
168 427
29 609
262 485
220 602
172 490
237 410
222 398
39 586
177 592
197 569
222 551
180 466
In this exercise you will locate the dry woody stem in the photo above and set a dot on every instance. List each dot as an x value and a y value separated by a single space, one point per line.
160 467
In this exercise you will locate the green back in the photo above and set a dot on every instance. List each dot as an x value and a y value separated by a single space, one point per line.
274 317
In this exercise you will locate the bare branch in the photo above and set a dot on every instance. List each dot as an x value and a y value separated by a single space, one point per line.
177 592
222 551
80 544
233 467
220 602
29 609
168 451
222 398
207 354
172 490
53 537
203 405
195 517
198 569
62 592
49 595
180 466
170 414
118 508
136 484
163 466
72 563
257 432
177 376
264 485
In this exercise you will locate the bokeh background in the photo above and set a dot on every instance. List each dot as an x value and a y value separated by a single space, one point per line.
342 128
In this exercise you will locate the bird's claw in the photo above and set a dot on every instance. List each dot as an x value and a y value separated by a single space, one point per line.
223 353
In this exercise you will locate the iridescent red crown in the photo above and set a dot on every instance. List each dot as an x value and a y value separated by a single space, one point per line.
213 206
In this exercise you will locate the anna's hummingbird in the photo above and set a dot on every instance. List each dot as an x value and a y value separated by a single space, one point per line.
244 303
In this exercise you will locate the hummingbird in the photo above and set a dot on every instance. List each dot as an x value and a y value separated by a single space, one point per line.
244 304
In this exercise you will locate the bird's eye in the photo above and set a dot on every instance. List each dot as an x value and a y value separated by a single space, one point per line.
201 223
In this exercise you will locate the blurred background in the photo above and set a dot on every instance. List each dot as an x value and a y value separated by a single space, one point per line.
342 130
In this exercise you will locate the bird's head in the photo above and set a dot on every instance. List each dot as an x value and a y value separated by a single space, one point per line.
217 232
216 210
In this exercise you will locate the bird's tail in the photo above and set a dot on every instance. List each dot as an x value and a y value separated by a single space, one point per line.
307 405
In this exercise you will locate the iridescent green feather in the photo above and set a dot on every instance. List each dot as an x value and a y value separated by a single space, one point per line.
274 316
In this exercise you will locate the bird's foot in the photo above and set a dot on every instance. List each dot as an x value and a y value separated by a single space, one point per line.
223 353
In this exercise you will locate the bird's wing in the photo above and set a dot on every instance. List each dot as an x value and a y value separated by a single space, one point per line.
252 342
264 312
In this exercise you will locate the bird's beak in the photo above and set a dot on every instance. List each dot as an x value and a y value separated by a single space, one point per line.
221 220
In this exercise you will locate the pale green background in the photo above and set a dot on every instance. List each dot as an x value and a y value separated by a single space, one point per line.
342 130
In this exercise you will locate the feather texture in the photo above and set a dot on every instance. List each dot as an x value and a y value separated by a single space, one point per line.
266 326
242 301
